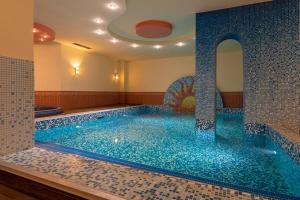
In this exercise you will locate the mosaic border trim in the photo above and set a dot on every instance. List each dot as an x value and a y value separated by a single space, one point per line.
68 150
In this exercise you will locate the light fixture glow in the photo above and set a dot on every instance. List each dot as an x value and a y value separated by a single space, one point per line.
76 65
134 45
116 76
35 30
99 32
98 20
114 40
157 46
112 6
45 36
180 44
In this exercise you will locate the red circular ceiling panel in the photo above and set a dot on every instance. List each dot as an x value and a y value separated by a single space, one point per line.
43 33
153 29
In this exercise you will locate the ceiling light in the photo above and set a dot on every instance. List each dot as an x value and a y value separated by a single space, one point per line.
35 30
157 46
114 40
45 36
99 32
134 45
180 44
112 6
98 20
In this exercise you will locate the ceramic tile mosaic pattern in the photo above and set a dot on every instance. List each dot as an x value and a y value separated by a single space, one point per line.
16 105
269 35
122 181
57 121
180 96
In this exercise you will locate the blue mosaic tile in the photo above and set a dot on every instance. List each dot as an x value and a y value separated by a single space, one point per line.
269 35
53 122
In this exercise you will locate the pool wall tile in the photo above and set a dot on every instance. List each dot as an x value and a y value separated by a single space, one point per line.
292 148
16 105
269 35
52 122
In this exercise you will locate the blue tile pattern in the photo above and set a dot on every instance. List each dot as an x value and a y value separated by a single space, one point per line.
122 181
130 131
16 105
53 122
269 35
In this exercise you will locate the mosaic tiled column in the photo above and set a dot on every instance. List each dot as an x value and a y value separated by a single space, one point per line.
16 105
205 84
269 35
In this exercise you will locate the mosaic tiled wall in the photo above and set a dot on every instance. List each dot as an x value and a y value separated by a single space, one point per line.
269 35
180 96
16 105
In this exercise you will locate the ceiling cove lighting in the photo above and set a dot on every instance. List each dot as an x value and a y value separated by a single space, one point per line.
35 30
114 40
99 31
112 6
180 44
134 45
157 46
98 20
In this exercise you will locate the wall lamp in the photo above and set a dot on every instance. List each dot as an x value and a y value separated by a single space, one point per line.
116 76
76 68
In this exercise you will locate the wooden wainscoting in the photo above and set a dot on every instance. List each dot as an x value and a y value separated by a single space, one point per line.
69 100
153 98
76 99
232 99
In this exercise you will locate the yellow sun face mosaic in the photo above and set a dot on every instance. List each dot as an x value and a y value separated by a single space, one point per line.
180 96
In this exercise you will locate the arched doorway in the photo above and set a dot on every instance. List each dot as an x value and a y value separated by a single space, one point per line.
230 82
229 73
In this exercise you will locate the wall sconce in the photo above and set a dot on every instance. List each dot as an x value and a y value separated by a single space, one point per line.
116 76
76 68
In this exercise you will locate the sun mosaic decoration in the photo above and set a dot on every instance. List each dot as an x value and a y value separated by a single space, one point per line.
180 96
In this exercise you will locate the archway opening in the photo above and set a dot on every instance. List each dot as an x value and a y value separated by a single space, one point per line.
229 80
229 73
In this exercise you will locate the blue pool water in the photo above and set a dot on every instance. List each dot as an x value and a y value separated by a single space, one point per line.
170 142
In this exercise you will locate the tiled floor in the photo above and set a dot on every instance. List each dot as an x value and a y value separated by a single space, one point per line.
122 181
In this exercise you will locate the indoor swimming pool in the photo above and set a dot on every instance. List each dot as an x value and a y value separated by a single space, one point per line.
169 143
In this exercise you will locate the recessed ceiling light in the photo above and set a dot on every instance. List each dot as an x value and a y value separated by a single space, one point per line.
35 30
180 44
114 40
112 6
98 20
99 32
157 46
134 45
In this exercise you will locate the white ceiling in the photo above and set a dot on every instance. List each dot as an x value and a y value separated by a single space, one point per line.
72 21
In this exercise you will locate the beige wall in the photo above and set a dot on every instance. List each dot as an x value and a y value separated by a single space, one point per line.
157 75
230 66
47 67
54 69
16 23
